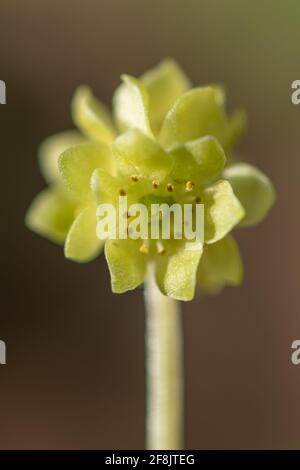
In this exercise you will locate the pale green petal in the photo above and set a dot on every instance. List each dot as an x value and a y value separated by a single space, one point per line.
176 272
137 153
197 113
82 243
222 210
126 264
91 116
78 163
131 106
51 213
237 124
105 187
254 190
165 83
209 156
51 148
220 264
200 159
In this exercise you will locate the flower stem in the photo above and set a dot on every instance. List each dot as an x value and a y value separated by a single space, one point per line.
164 370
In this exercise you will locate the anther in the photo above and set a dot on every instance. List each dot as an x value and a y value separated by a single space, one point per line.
144 249
170 187
189 185
122 192
135 178
155 184
160 248
197 199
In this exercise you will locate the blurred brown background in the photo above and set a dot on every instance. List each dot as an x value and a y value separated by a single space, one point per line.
75 372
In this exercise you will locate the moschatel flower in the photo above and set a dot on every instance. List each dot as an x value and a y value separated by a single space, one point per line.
166 143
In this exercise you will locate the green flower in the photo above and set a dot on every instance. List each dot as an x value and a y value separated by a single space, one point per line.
166 143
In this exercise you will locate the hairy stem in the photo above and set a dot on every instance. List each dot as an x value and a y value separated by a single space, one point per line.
164 370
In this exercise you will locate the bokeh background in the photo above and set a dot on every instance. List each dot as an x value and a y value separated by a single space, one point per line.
75 372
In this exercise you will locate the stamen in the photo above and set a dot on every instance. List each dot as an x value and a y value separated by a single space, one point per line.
144 248
135 178
189 185
122 192
155 184
170 187
160 248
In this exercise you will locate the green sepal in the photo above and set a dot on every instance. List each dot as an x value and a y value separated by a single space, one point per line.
165 83
220 265
138 154
82 244
51 214
222 210
126 264
201 160
91 116
176 271
77 164
197 113
131 106
254 189
50 150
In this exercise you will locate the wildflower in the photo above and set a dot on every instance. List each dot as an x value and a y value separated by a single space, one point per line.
166 143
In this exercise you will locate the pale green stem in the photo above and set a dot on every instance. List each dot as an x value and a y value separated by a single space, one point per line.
164 370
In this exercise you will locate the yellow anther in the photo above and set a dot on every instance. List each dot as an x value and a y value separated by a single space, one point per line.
160 248
144 249
189 185
135 178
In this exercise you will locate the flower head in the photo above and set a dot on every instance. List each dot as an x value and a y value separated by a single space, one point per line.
167 143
